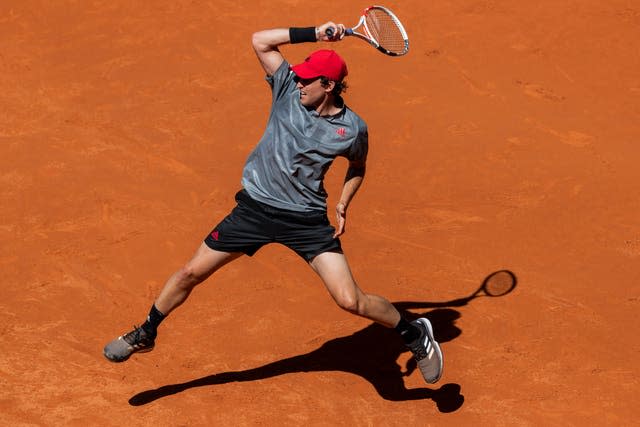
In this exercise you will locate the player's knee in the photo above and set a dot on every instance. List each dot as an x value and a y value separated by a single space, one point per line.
188 277
350 302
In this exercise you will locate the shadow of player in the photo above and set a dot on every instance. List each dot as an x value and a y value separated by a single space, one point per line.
370 353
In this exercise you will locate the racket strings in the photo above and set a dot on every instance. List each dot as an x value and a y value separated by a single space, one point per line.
385 30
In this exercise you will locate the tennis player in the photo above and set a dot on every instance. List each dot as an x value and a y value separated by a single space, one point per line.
283 199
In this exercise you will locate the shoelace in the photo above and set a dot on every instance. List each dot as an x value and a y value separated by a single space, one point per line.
136 337
419 352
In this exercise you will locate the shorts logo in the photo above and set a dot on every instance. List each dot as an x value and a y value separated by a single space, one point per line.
215 235
342 132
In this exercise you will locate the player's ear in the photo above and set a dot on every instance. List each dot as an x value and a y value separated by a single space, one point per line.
328 88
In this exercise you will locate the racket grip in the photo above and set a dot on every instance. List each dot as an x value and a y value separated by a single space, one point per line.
347 32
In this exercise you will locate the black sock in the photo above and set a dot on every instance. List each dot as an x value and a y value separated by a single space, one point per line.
154 319
407 331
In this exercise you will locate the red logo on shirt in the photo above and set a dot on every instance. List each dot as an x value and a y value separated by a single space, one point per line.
215 235
341 131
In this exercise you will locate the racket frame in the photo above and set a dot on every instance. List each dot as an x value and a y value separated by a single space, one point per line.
366 35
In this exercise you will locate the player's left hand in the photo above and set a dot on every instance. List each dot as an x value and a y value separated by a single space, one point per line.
341 216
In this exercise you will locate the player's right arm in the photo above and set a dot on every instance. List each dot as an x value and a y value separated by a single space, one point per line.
266 42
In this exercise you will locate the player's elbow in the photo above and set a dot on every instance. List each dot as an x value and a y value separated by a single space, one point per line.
259 42
356 171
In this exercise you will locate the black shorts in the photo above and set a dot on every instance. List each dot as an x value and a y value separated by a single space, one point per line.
252 224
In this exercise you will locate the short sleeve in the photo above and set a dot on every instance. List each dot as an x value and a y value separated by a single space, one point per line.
281 81
360 147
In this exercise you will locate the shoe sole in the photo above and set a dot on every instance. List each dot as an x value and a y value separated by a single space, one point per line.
436 347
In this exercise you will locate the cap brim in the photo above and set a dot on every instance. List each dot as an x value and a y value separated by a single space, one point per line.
304 71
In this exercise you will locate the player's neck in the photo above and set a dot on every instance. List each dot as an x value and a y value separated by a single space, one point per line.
330 106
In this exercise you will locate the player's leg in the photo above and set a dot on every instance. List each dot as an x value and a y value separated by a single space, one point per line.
333 269
176 290
243 231
204 263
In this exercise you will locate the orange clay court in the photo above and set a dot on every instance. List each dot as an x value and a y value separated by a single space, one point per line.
506 140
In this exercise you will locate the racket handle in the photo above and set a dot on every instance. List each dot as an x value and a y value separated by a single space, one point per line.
329 32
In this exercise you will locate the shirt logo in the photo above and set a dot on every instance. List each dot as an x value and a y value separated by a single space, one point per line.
215 235
342 132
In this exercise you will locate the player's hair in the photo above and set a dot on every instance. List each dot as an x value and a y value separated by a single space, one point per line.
338 89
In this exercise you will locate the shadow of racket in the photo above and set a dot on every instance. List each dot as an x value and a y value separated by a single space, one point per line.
497 284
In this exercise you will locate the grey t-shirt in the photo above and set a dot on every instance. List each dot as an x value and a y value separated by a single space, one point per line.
287 167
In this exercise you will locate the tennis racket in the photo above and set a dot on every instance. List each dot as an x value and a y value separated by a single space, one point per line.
382 29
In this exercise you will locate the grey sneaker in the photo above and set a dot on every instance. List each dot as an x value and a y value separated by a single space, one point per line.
427 352
136 341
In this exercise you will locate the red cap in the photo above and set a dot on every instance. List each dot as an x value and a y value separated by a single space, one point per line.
322 63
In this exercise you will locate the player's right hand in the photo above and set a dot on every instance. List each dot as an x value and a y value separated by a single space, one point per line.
330 32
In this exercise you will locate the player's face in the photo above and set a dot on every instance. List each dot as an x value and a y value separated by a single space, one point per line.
312 92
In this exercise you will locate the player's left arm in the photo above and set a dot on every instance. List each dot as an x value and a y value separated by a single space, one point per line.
352 181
